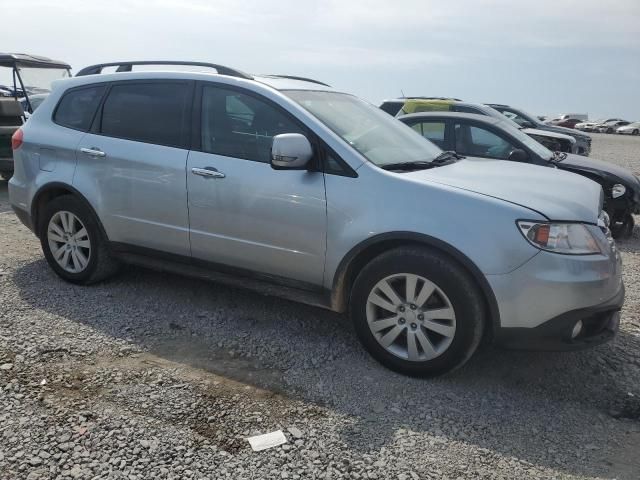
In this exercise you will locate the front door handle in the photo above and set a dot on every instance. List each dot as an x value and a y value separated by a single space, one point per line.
208 172
93 152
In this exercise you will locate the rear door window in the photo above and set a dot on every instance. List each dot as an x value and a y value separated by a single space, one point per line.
432 131
147 112
78 107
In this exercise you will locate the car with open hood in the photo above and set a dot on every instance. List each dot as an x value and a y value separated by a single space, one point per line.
297 189
480 136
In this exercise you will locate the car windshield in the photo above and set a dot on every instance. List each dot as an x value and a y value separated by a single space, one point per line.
520 117
39 80
534 145
380 138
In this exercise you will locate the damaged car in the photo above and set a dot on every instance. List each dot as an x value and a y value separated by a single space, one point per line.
487 137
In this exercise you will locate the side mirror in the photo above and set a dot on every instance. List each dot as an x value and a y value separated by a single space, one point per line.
290 151
518 155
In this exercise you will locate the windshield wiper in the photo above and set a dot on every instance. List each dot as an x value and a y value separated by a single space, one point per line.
445 158
448 155
558 157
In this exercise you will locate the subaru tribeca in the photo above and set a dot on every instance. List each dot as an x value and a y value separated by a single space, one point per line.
293 188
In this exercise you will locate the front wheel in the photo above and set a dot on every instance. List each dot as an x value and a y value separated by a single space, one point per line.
417 311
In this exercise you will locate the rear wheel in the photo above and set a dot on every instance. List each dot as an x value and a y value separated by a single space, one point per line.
72 242
6 175
417 312
636 132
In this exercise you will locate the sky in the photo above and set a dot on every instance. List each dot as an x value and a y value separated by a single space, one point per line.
546 56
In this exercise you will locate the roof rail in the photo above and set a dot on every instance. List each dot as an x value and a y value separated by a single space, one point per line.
304 79
127 67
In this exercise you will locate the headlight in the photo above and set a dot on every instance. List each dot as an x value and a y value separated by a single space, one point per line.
567 238
618 190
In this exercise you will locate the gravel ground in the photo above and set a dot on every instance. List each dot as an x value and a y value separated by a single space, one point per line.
157 376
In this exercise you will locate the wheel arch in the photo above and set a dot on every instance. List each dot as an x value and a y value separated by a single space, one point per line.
49 192
364 252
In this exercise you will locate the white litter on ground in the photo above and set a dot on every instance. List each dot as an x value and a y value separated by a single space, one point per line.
268 440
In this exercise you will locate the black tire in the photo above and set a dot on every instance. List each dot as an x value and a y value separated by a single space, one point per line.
609 130
101 265
447 275
6 175
636 132
623 229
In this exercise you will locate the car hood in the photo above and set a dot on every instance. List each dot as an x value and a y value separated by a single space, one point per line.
604 169
551 192
567 131
546 133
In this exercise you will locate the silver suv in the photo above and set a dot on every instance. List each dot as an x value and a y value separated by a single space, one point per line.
298 190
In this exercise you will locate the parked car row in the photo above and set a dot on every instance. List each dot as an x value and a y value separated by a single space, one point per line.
434 231
610 125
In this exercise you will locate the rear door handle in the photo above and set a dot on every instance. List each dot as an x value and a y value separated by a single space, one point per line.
93 152
208 172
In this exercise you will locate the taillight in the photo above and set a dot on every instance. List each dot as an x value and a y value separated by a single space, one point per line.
16 139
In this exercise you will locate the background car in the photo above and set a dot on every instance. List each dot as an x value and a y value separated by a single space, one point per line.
567 122
583 117
552 140
611 127
592 125
631 129
486 137
524 119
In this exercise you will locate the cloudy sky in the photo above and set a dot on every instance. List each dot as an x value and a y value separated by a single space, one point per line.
547 56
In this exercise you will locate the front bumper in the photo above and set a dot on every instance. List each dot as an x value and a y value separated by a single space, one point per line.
551 291
600 324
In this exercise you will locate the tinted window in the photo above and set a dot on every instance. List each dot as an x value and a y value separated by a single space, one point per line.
77 107
150 113
433 131
465 109
238 125
392 108
476 141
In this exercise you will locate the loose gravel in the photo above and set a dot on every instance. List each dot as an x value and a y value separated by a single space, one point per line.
152 375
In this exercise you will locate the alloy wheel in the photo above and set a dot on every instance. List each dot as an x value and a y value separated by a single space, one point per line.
411 317
69 242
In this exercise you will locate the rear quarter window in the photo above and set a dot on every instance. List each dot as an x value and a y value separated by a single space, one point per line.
77 107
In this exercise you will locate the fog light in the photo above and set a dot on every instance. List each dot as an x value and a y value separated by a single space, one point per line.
577 328
618 190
